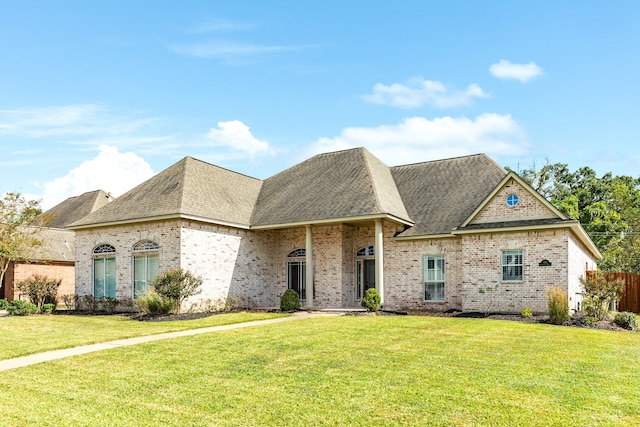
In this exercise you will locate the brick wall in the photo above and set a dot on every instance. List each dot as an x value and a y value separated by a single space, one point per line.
20 271
528 207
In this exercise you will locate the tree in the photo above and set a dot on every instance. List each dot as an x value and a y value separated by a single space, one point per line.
608 208
40 289
19 227
177 285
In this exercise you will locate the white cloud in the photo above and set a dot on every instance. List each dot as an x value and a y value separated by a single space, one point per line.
523 72
111 171
419 139
226 50
238 137
418 92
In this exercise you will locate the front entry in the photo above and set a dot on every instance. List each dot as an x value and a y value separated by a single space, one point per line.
365 276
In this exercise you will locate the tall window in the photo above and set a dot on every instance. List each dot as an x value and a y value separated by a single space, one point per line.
296 272
145 266
104 271
434 278
512 266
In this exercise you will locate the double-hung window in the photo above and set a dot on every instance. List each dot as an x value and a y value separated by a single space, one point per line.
512 266
434 278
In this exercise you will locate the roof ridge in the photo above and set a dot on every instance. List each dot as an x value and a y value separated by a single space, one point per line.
449 159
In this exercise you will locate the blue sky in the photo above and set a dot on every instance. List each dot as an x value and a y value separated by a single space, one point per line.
103 94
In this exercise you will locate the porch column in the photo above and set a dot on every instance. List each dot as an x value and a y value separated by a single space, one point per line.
309 268
379 250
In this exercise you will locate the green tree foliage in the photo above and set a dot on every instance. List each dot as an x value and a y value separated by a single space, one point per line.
600 292
177 285
608 208
18 229
40 290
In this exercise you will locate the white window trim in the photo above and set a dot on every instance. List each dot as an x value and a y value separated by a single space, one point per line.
425 261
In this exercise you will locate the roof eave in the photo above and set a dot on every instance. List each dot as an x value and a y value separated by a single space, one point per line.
160 218
333 221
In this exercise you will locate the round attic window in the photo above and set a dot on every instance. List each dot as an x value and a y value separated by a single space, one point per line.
512 200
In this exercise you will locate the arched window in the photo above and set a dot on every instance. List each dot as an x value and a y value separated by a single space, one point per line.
104 271
297 253
366 251
145 266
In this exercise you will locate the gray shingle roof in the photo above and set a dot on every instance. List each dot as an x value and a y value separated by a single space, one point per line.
57 245
190 187
74 209
342 184
439 195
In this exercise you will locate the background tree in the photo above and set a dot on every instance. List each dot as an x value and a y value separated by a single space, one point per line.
608 208
18 229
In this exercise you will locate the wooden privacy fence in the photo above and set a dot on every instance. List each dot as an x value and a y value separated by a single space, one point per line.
630 299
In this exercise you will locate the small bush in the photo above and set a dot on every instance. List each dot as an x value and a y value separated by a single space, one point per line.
40 289
109 304
558 304
371 300
595 307
177 285
90 303
22 308
48 308
526 313
626 320
69 301
4 304
152 303
290 301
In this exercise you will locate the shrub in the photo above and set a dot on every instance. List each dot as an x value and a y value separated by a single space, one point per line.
109 304
602 292
558 304
4 304
40 289
594 307
290 301
526 312
626 320
48 308
371 300
152 303
177 285
22 308
69 301
90 303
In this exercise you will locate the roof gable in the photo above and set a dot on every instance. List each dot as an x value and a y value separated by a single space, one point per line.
531 205
338 185
439 195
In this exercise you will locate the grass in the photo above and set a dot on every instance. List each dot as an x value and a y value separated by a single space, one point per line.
33 334
359 370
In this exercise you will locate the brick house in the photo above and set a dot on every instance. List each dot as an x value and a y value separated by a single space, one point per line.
55 258
459 233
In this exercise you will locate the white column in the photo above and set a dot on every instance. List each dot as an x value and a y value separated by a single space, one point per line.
379 251
309 267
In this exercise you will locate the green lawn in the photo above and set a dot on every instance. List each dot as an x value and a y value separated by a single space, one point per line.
353 370
33 334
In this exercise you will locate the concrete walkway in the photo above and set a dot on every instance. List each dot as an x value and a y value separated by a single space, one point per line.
33 359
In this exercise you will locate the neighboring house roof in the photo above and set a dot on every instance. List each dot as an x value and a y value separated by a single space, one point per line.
57 245
75 208
348 184
190 188
440 195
